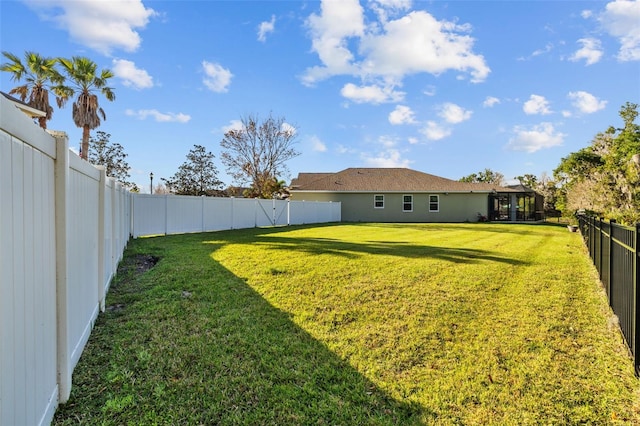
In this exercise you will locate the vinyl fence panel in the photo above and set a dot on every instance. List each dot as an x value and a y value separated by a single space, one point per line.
218 213
63 227
28 385
149 215
82 288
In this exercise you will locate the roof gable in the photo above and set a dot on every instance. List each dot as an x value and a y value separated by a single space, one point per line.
385 180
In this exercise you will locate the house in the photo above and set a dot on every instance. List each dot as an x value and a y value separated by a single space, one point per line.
405 195
24 107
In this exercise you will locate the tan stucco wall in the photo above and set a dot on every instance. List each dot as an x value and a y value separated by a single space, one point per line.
359 207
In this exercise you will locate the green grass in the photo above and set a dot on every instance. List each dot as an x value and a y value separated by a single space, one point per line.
361 324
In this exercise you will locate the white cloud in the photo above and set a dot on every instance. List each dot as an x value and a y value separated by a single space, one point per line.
430 90
233 125
330 30
388 141
402 115
535 138
371 94
586 14
490 101
418 43
217 78
132 76
388 49
99 25
388 158
386 8
591 51
536 105
342 149
265 28
288 128
454 114
585 102
620 18
160 117
434 131
317 145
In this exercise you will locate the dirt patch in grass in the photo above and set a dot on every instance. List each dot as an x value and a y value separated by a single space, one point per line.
139 264
129 270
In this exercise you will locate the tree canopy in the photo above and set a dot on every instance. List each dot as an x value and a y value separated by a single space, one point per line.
102 152
40 76
257 153
603 178
196 176
486 176
85 78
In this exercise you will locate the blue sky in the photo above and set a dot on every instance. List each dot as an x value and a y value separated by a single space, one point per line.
444 87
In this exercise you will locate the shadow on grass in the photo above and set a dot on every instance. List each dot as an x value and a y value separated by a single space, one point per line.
194 344
269 238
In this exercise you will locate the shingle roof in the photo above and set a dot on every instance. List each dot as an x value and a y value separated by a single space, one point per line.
385 180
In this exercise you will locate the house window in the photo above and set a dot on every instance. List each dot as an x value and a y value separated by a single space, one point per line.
434 203
378 201
407 203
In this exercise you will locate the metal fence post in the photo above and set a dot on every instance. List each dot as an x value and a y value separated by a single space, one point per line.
612 223
636 282
601 232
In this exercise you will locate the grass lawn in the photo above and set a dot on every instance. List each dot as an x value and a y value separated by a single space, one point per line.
357 324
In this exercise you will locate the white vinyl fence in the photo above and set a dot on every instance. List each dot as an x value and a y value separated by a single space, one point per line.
63 228
175 214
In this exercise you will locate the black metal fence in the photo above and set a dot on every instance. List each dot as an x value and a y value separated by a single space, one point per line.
615 251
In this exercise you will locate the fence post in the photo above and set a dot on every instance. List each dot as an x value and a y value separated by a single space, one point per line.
102 190
601 233
611 286
61 169
636 282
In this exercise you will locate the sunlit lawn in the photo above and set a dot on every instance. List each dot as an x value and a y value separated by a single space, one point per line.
358 324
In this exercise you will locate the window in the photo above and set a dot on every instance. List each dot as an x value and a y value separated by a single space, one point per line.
434 203
407 203
378 201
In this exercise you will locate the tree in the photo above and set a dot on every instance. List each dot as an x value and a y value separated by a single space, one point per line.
82 72
196 176
528 180
257 153
603 177
547 187
40 76
102 152
486 176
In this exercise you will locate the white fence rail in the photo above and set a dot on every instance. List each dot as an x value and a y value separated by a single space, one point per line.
174 214
63 228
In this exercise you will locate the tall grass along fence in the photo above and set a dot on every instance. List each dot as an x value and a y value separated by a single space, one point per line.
615 251
64 226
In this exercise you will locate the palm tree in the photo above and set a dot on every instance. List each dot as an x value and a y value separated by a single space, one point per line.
82 73
41 76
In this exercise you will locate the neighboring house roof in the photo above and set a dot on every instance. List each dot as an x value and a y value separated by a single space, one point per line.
521 188
386 180
24 107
